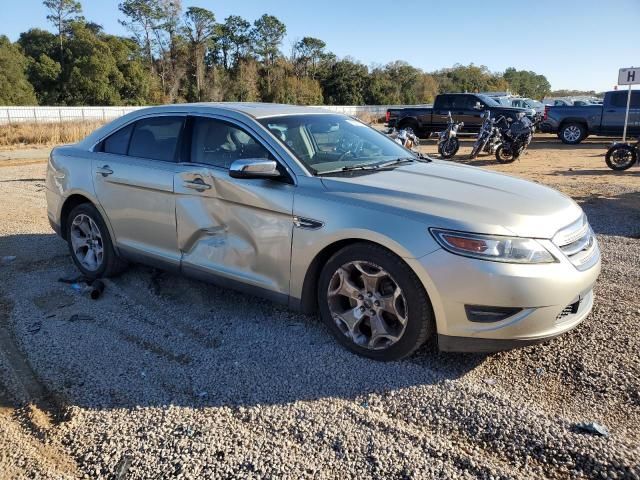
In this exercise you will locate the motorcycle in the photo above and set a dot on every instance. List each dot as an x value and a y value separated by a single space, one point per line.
621 156
404 137
489 138
515 139
448 143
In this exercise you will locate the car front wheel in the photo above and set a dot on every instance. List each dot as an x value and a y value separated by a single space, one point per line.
373 303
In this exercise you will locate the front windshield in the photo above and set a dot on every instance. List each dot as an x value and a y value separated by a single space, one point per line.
534 103
329 142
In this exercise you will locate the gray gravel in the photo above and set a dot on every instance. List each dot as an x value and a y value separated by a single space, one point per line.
168 377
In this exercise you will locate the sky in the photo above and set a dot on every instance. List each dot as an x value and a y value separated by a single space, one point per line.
575 44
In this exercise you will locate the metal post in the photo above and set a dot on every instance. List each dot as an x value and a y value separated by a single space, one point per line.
626 116
35 116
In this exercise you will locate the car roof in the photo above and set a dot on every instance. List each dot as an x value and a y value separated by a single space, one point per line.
252 109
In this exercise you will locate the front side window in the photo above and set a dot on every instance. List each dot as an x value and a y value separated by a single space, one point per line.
156 138
326 142
219 144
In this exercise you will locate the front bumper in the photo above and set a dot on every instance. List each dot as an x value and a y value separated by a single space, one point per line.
543 292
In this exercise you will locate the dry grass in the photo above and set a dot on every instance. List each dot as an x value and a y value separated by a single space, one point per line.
370 118
42 134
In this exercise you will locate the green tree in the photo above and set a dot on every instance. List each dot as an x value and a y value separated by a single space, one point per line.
527 83
307 54
15 89
43 72
142 18
61 12
345 82
200 25
267 35
234 38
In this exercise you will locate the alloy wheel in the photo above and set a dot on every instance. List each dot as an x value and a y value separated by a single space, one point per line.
367 305
86 242
572 133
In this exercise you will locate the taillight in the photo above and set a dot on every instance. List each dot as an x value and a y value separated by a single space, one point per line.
546 112
388 116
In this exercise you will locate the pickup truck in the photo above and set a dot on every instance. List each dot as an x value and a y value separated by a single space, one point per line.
464 107
575 123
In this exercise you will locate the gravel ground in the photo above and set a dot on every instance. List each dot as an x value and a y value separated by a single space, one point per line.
169 377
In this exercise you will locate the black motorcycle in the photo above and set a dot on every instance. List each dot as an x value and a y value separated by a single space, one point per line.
621 156
448 143
489 138
516 137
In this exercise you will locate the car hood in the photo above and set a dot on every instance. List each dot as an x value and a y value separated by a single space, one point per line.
448 195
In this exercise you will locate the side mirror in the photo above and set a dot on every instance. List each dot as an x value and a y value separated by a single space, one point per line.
254 168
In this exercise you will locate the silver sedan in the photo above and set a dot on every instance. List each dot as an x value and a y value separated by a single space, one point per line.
324 213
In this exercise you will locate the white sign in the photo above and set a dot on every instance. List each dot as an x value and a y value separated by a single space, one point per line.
629 76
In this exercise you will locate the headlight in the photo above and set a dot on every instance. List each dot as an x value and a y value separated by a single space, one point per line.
493 247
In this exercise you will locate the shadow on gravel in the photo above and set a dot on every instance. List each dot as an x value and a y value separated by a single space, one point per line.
605 213
157 338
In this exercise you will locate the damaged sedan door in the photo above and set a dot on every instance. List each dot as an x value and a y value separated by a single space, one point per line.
233 231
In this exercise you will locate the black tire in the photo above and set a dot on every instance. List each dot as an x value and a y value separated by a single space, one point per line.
621 157
572 133
504 156
420 324
111 264
449 148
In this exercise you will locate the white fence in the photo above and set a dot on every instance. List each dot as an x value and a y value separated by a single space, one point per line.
11 115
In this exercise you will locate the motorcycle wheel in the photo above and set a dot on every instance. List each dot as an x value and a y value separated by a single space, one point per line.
449 148
505 156
621 157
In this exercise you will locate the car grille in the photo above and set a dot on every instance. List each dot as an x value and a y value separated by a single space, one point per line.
578 243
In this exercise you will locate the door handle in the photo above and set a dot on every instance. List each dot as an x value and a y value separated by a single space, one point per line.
105 170
197 184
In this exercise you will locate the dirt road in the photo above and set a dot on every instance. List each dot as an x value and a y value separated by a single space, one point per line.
169 377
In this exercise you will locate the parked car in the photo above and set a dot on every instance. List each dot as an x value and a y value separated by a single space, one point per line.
321 212
533 105
573 124
464 107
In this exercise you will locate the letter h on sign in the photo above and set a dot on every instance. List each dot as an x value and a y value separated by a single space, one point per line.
629 76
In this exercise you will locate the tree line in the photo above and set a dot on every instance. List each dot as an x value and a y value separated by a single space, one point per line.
175 55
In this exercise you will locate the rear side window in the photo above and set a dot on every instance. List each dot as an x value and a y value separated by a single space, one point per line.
118 142
156 138
619 99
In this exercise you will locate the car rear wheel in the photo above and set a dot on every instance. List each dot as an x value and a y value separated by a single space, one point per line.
373 303
90 245
572 133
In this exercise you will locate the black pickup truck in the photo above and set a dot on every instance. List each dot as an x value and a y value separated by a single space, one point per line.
573 124
464 107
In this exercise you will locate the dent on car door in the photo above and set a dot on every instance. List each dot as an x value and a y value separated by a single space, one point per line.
133 173
234 229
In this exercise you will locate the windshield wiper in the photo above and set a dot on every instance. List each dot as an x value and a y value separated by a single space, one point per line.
369 166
